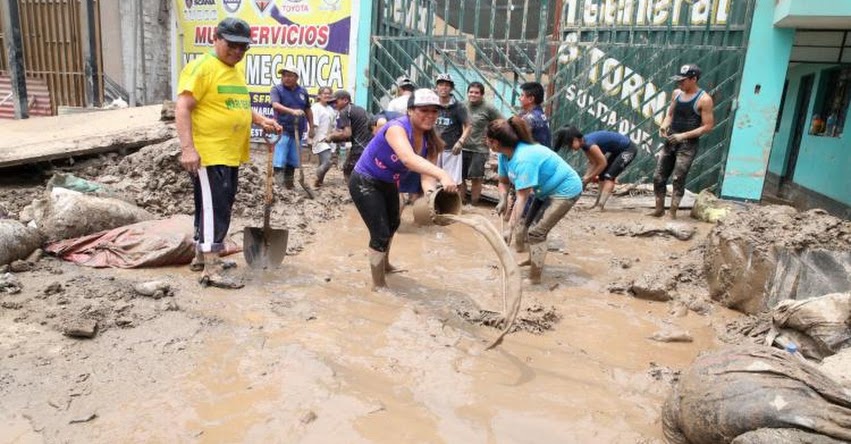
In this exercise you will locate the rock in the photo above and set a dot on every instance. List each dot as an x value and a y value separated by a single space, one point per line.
167 112
651 288
81 328
54 288
155 289
671 336
170 305
20 266
4 268
10 284
308 417
35 256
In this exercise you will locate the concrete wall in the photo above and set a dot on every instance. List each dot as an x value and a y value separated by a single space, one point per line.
823 162
136 41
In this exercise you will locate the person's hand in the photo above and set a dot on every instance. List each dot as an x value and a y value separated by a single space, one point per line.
190 160
448 184
676 138
500 207
270 126
311 133
298 113
663 131
456 149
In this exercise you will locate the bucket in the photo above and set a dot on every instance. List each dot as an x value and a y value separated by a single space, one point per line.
429 209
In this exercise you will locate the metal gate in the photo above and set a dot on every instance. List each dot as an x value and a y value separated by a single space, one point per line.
604 63
53 37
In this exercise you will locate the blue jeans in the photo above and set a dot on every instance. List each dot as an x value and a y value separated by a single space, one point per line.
286 153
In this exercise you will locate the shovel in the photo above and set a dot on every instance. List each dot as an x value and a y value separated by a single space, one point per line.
300 169
265 247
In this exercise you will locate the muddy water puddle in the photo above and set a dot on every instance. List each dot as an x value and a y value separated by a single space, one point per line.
403 366
307 353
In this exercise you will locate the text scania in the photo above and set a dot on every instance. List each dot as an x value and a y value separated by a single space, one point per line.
304 36
314 71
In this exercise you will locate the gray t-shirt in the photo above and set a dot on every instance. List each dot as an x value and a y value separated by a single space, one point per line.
450 122
481 114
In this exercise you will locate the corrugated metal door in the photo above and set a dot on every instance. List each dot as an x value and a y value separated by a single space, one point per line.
53 49
605 63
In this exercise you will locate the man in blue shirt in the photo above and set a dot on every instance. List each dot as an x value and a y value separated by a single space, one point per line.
608 153
531 98
292 107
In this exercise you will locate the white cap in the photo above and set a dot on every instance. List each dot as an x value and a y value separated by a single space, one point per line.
289 67
423 97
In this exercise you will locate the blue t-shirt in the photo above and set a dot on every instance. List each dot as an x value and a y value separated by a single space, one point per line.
537 120
379 161
296 98
540 168
610 142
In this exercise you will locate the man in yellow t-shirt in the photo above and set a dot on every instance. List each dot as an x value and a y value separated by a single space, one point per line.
214 116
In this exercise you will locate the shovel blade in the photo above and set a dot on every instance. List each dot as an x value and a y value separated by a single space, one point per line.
264 248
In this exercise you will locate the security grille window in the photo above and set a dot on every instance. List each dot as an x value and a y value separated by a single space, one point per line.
832 106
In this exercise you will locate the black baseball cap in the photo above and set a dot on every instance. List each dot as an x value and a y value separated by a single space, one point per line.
685 72
340 94
234 30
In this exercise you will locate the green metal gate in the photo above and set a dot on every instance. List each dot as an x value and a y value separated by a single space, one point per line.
604 63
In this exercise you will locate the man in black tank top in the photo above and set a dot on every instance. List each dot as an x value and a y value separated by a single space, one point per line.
689 117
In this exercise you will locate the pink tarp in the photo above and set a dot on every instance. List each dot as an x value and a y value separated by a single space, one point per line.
152 243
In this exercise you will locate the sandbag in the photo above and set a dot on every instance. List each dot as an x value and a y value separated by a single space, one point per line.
735 390
17 240
822 325
708 208
783 436
145 244
756 258
68 214
72 182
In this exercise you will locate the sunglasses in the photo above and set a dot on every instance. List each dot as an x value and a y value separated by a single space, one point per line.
238 46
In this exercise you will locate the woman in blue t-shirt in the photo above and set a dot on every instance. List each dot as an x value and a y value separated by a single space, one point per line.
388 156
532 168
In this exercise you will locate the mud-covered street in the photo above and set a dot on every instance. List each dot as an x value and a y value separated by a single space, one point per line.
308 353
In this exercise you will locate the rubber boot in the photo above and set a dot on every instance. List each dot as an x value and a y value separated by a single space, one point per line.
537 255
213 274
660 207
675 205
197 263
377 264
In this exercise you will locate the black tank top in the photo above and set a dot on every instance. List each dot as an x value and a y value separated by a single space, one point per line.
686 117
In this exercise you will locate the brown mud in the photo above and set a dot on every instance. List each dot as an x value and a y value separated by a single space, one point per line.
307 353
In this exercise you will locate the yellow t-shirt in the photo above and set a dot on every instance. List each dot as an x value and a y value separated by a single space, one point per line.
221 120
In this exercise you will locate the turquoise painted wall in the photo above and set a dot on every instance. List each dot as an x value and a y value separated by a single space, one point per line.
759 97
824 163
810 8
365 17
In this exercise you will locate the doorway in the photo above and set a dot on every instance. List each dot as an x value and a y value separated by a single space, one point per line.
800 123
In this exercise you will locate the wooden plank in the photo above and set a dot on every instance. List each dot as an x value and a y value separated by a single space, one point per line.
61 137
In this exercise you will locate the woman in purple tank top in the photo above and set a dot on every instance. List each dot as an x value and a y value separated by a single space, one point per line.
388 156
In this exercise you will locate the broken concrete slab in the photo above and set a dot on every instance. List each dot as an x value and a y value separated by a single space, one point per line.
60 137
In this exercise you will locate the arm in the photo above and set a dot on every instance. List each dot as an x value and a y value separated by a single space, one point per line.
281 109
398 141
456 150
596 163
189 158
340 134
666 122
269 125
311 127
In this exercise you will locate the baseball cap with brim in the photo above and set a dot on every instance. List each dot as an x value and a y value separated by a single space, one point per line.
289 67
340 94
234 30
685 72
405 82
423 97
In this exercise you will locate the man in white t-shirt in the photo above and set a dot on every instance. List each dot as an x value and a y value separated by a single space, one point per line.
405 88
324 120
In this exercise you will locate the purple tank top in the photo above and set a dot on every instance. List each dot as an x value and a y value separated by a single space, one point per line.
379 161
